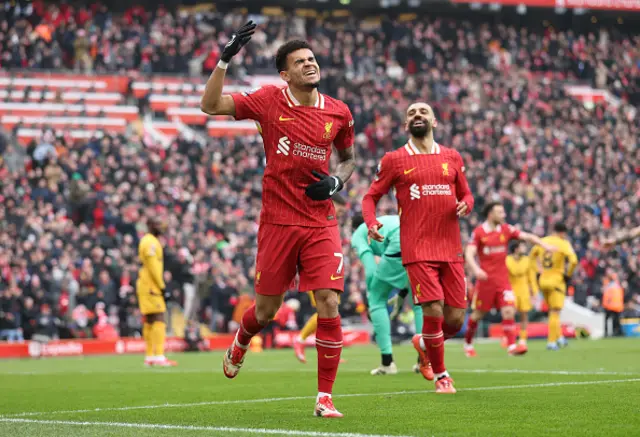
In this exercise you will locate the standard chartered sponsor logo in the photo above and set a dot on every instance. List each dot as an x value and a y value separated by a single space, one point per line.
301 150
494 249
309 152
284 145
436 190
416 191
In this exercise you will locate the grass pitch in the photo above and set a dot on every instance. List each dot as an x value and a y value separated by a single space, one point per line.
591 388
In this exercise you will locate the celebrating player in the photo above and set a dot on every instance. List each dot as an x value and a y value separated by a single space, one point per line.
554 276
298 228
522 277
490 242
150 290
381 278
432 193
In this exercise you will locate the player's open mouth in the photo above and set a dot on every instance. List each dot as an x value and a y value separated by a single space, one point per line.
418 123
311 73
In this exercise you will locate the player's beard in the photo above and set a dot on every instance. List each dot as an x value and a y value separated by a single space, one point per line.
312 85
420 131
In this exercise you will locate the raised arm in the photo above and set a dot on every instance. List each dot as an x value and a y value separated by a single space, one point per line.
626 236
213 102
534 239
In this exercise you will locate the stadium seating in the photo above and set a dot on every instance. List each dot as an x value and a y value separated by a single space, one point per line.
517 126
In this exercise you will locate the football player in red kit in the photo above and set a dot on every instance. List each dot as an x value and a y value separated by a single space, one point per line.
432 193
298 227
490 242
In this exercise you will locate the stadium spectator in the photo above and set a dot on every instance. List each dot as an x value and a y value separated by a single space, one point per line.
498 91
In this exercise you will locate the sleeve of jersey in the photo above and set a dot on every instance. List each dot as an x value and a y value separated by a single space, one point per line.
463 192
345 137
514 233
573 262
475 238
360 242
384 180
253 104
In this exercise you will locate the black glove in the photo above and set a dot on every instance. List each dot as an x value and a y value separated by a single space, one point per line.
166 294
326 187
567 280
238 40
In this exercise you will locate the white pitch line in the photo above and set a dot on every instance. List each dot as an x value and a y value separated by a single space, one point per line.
297 398
308 370
224 429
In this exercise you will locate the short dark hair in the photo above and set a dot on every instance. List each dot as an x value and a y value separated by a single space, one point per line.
489 207
356 221
286 49
560 227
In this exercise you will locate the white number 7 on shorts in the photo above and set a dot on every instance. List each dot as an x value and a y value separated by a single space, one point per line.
341 256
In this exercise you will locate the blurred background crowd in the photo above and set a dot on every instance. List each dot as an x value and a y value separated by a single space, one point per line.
72 212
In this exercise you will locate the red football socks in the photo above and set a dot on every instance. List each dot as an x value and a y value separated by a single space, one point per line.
248 327
329 347
433 338
449 331
472 327
509 329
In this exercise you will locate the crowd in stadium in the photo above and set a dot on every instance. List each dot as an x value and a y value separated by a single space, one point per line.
72 213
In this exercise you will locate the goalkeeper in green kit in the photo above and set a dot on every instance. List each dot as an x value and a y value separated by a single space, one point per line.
382 277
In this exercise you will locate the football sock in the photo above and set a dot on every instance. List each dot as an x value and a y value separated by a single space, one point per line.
148 340
329 347
387 359
472 327
434 342
309 328
249 327
158 334
509 329
554 326
418 318
381 327
449 331
523 334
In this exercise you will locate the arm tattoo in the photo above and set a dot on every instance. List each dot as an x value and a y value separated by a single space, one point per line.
347 163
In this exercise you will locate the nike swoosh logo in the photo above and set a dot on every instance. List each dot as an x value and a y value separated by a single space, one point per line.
330 356
335 278
406 172
286 119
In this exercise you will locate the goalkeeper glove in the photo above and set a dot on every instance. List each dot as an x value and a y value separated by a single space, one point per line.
326 187
238 40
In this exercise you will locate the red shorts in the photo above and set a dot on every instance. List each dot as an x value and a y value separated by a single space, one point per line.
490 295
435 280
314 253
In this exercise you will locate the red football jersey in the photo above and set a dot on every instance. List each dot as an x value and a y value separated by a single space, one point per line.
428 188
297 139
492 245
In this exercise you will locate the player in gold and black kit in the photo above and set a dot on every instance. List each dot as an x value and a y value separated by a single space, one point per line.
150 290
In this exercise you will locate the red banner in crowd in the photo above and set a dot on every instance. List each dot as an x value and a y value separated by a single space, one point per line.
610 5
70 348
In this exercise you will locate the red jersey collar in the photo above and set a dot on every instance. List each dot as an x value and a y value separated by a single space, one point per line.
413 150
292 101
